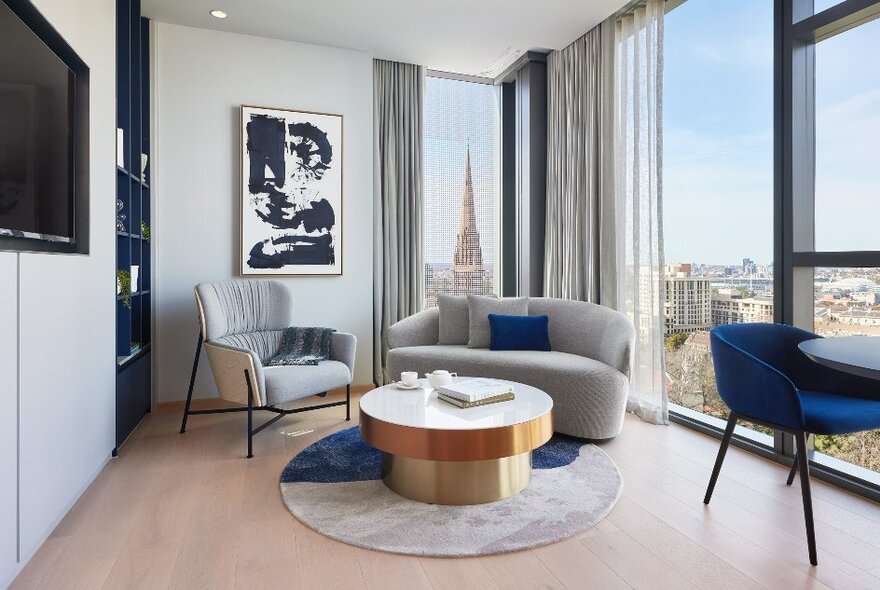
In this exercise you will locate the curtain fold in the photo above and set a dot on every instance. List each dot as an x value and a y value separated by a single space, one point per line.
638 175
398 143
579 248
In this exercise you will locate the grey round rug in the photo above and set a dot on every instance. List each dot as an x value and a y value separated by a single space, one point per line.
335 487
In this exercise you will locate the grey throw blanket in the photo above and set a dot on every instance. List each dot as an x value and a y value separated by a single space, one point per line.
303 346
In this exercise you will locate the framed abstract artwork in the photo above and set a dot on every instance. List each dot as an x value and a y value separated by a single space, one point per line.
291 192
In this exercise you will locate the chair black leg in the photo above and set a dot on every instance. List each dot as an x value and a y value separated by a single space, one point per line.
804 468
793 472
348 402
725 442
192 381
250 410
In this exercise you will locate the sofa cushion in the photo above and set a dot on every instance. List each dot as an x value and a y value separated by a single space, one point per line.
589 397
288 383
479 308
514 332
453 319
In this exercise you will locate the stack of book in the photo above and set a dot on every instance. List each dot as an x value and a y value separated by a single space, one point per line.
475 392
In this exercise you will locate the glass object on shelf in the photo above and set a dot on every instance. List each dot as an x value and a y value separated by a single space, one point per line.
144 159
120 216
717 188
847 140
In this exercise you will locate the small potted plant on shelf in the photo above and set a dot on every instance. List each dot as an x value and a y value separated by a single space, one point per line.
123 287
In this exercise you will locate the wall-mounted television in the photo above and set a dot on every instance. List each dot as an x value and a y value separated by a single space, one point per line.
43 135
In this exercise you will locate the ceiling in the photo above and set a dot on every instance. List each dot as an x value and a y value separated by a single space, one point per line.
462 36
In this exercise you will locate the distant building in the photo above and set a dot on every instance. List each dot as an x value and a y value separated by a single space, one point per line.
688 306
858 318
732 308
866 298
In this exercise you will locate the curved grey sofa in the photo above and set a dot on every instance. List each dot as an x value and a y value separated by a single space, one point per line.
587 373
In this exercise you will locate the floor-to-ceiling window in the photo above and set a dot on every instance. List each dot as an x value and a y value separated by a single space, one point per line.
718 187
836 270
461 187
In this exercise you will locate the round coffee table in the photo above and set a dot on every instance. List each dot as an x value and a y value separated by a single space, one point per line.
437 453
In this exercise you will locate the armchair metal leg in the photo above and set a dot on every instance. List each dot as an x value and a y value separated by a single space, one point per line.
725 442
250 411
348 402
804 467
192 381
793 472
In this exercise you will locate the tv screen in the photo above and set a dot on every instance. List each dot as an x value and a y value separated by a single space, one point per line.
37 93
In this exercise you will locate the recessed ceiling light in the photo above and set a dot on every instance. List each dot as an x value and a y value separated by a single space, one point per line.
218 14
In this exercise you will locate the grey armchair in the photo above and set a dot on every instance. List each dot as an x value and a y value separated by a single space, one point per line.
241 324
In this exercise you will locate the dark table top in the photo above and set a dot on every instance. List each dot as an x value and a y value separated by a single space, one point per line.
859 355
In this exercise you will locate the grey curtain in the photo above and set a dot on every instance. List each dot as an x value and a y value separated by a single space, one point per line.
398 129
579 233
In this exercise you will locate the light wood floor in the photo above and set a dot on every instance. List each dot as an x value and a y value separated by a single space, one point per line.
188 511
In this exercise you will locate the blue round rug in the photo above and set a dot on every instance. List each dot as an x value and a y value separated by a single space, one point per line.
335 487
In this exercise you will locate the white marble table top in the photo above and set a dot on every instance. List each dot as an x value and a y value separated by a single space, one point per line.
420 408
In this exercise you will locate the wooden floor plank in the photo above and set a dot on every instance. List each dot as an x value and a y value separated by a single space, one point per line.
575 566
520 570
385 571
457 574
634 563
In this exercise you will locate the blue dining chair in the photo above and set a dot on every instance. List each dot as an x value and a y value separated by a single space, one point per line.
764 378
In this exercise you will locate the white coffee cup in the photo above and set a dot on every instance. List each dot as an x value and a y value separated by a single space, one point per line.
439 378
409 378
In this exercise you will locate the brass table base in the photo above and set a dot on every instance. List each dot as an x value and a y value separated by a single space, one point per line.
457 482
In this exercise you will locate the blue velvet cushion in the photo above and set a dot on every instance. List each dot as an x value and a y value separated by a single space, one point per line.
519 332
827 413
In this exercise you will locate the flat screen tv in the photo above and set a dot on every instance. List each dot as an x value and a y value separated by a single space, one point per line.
43 134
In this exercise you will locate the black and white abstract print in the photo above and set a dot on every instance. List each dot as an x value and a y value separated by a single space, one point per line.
291 193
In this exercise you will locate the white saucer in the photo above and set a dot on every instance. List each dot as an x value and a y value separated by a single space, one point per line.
402 385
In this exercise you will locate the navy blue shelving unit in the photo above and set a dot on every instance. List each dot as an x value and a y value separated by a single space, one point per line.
133 321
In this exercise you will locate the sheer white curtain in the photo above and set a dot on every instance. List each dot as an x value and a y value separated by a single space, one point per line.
638 90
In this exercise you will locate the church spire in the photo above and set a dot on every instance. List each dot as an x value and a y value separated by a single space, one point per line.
468 254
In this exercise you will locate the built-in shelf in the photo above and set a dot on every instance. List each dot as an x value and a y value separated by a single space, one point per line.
125 234
123 361
133 177
134 320
135 294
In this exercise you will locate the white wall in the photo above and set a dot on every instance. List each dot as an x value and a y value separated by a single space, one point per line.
8 414
65 314
201 79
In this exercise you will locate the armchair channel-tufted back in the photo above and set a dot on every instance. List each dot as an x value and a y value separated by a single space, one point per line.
240 307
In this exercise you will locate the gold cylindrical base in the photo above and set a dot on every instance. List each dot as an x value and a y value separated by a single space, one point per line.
457 482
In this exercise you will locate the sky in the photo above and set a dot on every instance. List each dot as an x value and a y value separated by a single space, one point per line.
718 134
